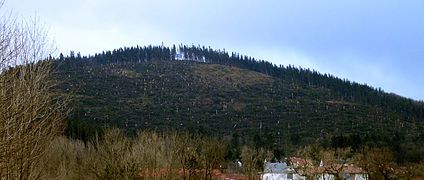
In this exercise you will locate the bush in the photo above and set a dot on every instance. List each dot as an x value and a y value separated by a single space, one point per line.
149 155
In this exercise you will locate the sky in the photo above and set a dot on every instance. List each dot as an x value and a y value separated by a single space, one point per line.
378 42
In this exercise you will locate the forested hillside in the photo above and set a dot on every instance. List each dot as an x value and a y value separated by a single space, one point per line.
247 101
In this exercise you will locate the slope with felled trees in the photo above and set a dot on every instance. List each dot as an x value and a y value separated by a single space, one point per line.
205 91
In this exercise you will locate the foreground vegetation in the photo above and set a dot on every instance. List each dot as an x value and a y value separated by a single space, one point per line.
152 155
148 155
31 115
376 162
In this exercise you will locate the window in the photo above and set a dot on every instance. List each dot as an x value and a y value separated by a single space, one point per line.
289 176
346 176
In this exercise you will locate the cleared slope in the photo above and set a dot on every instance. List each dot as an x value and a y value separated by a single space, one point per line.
222 100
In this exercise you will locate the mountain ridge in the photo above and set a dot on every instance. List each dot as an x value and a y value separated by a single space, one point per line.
214 93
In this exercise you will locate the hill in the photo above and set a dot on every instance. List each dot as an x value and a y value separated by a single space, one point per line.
249 101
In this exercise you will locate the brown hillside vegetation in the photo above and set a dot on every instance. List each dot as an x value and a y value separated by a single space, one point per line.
225 76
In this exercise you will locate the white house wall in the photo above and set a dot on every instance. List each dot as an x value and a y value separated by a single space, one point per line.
361 177
281 176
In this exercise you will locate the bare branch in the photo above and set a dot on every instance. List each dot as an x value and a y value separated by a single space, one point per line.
30 115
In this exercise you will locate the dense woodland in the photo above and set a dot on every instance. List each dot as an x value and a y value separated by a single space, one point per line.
239 98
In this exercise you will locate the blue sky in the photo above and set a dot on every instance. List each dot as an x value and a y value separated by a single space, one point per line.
377 42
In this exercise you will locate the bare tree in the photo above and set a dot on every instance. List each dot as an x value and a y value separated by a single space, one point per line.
379 163
30 114
188 156
311 156
212 155
252 160
332 165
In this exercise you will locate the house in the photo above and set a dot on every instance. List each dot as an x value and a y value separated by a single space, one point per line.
347 172
279 171
300 167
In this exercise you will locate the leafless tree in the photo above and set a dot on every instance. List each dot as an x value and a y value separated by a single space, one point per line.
311 156
212 155
30 113
379 163
252 160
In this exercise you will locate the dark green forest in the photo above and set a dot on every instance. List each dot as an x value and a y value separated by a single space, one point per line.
244 100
